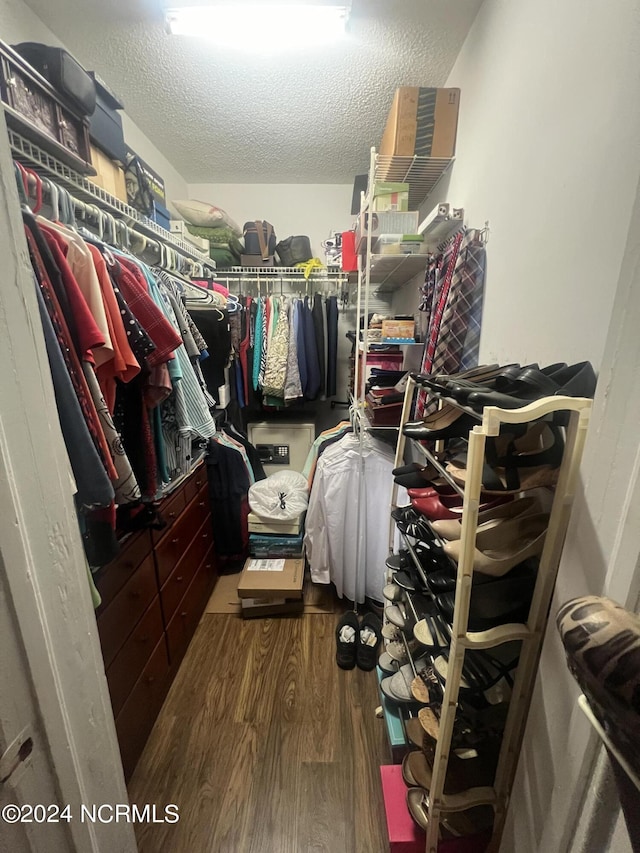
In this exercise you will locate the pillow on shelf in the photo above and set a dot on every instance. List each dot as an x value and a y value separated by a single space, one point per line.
205 215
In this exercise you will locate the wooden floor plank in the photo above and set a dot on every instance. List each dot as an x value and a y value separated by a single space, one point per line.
265 745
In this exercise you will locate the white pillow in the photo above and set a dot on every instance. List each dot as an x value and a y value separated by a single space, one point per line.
205 215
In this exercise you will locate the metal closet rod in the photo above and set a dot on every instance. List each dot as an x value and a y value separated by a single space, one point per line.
134 241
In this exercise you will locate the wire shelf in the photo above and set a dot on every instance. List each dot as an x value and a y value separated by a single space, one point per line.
31 155
421 173
392 271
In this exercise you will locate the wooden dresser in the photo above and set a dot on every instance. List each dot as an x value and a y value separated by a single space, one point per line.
153 595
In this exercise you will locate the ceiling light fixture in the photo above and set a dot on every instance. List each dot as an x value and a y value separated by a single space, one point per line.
260 25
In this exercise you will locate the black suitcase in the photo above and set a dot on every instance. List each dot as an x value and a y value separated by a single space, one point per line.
105 126
65 74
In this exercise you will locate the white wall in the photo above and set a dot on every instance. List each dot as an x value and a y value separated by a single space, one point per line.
311 209
18 23
547 151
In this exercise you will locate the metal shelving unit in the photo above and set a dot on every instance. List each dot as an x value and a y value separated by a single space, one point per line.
328 278
530 634
421 173
48 166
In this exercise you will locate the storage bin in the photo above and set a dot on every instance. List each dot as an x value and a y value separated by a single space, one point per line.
105 125
161 216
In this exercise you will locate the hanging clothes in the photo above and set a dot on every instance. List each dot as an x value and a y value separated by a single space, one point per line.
354 563
318 325
293 383
332 345
278 354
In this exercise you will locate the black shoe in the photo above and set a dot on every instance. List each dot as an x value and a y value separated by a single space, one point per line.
346 652
367 655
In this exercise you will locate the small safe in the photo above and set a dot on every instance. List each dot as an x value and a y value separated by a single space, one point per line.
282 446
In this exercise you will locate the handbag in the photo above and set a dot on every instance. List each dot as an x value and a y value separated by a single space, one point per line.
65 74
139 192
259 238
294 250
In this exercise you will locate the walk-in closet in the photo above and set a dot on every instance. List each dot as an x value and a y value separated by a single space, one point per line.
318 426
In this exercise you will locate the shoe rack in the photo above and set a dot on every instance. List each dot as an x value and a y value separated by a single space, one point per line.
531 633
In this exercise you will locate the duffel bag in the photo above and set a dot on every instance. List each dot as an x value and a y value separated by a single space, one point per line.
294 250
259 238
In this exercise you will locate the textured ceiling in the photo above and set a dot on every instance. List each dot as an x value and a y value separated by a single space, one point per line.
224 116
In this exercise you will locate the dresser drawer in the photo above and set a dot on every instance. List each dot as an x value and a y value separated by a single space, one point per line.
173 547
186 618
122 615
180 578
110 579
170 509
139 712
195 482
133 656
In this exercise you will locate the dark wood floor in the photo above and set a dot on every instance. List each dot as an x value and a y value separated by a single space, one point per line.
265 745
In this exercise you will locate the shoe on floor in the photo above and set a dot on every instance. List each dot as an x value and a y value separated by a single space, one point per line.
347 632
369 638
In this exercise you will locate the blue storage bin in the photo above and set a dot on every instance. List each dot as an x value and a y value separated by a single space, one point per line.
161 216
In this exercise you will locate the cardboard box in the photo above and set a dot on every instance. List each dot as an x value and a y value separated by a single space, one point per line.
270 546
398 330
391 196
422 121
253 608
275 579
110 175
257 524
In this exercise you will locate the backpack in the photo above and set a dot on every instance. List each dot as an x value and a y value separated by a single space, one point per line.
259 238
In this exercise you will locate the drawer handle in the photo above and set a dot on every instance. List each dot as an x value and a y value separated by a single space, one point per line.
184 614
135 593
172 515
142 639
179 579
202 503
150 679
174 541
208 565
205 535
198 483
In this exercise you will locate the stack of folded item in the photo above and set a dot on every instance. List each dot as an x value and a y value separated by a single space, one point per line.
225 248
271 539
385 400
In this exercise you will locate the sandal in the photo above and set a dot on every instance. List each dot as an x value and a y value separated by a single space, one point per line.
529 462
452 825
486 678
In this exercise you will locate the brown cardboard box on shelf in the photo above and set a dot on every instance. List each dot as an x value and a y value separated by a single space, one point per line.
274 579
422 121
110 175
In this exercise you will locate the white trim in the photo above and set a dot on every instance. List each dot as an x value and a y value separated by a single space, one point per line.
43 565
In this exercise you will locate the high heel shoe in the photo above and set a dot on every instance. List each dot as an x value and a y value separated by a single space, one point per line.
501 548
451 530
